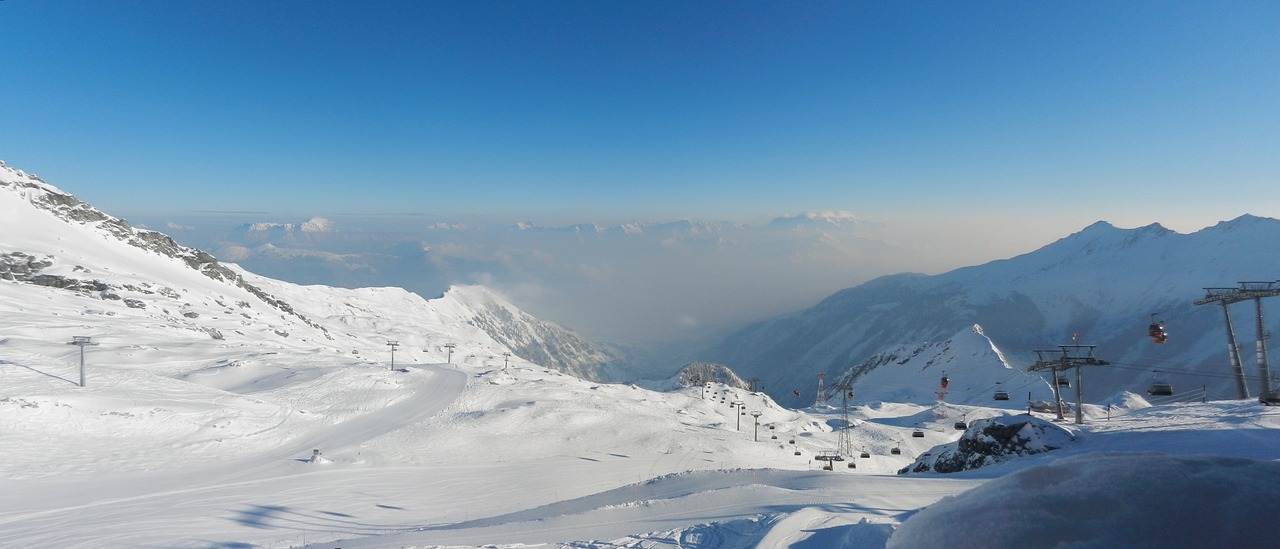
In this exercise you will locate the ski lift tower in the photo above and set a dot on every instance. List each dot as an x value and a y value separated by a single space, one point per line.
844 446
1226 296
822 396
1067 357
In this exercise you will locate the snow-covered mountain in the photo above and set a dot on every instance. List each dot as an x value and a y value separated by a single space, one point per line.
69 259
223 408
1096 287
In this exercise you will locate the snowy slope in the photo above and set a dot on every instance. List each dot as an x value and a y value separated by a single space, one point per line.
974 367
114 269
201 416
1100 285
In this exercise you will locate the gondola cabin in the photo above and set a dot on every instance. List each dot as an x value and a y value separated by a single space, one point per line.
917 433
961 425
1000 395
1156 331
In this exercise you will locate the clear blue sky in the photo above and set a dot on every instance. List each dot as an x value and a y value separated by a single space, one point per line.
1134 112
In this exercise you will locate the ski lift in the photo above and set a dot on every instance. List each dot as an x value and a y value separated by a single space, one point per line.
1001 394
1063 381
917 433
1156 330
961 425
944 381
895 450
797 452
1159 387
853 465
865 454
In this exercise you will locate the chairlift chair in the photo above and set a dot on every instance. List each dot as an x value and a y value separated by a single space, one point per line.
961 425
1159 387
1270 398
917 433
1063 381
895 451
865 454
1000 395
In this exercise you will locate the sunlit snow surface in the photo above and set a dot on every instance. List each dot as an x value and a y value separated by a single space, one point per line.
182 439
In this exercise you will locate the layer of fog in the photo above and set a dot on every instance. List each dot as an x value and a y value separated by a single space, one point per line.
674 283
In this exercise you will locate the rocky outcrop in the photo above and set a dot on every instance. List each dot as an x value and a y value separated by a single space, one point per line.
990 441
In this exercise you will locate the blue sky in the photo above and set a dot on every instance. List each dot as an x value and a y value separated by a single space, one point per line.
962 131
648 109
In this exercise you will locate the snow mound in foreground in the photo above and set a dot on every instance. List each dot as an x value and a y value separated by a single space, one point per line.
1109 500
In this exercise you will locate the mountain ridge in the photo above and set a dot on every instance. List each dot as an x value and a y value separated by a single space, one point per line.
65 244
1100 284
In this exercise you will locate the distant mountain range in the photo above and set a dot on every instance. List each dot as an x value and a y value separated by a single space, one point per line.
1099 286
889 339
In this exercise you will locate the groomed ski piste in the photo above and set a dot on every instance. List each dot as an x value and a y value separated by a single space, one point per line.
475 454
214 417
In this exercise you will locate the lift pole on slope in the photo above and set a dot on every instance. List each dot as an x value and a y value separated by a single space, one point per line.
1226 296
81 341
1065 358
393 345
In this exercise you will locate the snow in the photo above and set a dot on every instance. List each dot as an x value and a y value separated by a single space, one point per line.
1110 500
180 439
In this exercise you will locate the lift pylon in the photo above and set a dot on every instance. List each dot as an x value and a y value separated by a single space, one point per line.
1226 296
1067 357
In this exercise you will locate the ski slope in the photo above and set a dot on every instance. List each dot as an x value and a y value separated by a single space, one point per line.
478 455
206 396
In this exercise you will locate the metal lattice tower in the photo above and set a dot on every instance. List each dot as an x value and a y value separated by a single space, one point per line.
844 444
1067 357
822 396
1226 296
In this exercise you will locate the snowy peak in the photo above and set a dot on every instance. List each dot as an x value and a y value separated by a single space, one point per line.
100 263
50 216
818 221
973 366
539 341
1101 283
286 232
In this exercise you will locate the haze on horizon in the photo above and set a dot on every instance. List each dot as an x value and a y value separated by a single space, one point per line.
940 134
